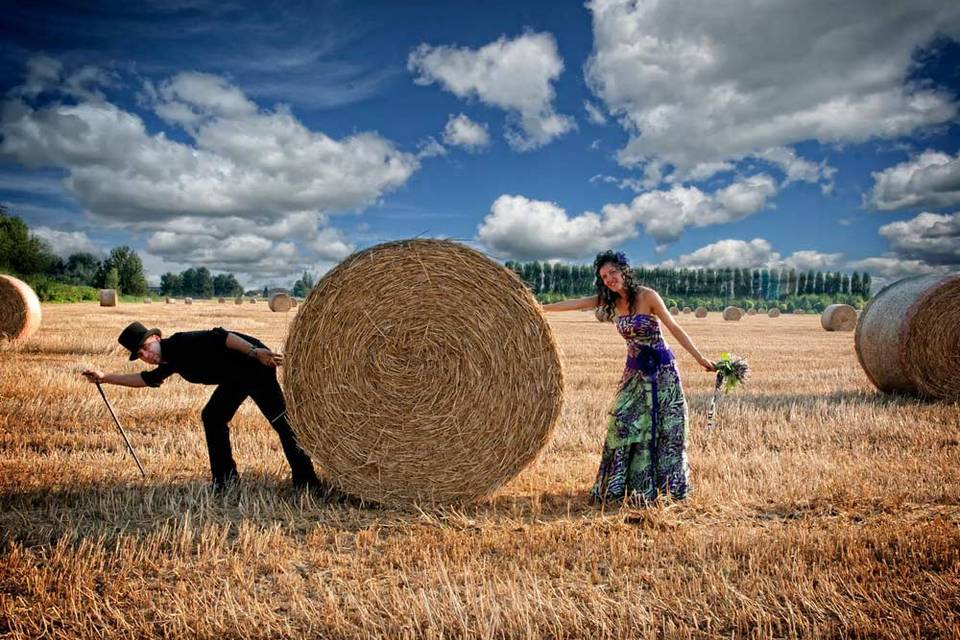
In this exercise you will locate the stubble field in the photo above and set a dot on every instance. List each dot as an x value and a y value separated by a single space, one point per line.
820 507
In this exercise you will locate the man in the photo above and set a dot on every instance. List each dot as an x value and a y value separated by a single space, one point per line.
241 365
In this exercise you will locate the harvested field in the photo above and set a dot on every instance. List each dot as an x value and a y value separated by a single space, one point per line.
820 508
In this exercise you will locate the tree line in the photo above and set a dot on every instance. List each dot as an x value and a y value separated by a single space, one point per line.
764 284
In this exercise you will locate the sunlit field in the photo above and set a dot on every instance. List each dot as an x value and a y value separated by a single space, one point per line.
820 507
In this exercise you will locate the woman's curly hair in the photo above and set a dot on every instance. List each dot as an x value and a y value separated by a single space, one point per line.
608 299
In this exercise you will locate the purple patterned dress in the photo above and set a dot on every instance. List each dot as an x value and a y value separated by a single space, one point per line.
645 452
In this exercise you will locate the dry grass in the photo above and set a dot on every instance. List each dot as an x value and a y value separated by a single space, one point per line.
820 508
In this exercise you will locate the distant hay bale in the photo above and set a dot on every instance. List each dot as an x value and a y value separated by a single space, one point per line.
908 334
280 302
108 297
774 313
222 300
751 311
188 301
798 312
20 314
839 317
239 300
253 301
171 301
148 301
293 301
732 313
701 312
687 310
413 398
674 311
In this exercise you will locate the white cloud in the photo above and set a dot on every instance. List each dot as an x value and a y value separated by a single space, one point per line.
889 268
704 82
241 165
65 243
932 238
463 132
513 75
755 254
931 179
518 227
594 114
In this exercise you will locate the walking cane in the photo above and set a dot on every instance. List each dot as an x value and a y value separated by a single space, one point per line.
129 446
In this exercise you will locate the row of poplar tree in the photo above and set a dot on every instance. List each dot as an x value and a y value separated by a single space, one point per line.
766 284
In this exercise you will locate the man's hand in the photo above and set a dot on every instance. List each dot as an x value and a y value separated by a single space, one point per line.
268 358
92 375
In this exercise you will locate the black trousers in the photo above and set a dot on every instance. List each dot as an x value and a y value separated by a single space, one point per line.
261 385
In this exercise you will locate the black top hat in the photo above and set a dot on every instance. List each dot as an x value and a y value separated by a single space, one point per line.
134 336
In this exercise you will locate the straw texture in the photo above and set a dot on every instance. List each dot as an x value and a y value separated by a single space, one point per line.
239 300
221 300
701 312
188 301
280 302
421 370
908 337
774 313
687 310
674 311
732 314
751 311
20 314
839 317
108 297
171 301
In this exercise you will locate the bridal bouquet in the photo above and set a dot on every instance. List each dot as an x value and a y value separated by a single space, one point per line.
731 371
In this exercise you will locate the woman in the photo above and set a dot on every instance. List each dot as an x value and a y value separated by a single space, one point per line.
645 452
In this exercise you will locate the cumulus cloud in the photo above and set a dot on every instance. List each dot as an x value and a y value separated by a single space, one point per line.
65 243
240 165
701 82
514 75
929 237
461 131
594 114
755 254
521 228
931 179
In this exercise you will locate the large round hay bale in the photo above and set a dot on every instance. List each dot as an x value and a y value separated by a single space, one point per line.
732 313
188 301
687 310
253 301
401 396
148 301
839 317
701 312
908 336
280 302
108 297
751 311
171 301
222 300
774 312
19 309
239 300
674 311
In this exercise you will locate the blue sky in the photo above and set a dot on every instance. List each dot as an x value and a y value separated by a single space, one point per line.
267 140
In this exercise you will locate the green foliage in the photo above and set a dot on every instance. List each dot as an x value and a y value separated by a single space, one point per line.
21 252
302 286
112 279
49 290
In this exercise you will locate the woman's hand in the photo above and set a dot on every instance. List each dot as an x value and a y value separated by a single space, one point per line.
92 375
268 358
706 364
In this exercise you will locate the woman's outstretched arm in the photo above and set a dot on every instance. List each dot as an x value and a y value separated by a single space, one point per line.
660 310
590 302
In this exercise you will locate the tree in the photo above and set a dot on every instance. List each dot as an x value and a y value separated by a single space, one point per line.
21 252
818 283
188 282
226 284
204 287
81 268
302 286
855 286
171 284
865 285
129 270
111 279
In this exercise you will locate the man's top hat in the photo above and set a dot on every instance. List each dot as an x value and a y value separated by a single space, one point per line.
134 336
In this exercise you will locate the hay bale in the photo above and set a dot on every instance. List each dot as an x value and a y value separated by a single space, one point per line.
280 302
108 297
839 317
239 300
400 396
188 301
20 314
908 334
253 301
798 312
171 301
687 310
222 300
732 314
701 312
751 311
674 311
293 301
774 312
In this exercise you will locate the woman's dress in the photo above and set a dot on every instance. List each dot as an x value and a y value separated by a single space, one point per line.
645 452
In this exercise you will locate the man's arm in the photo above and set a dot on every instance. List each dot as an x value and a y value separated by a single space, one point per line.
263 355
123 379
